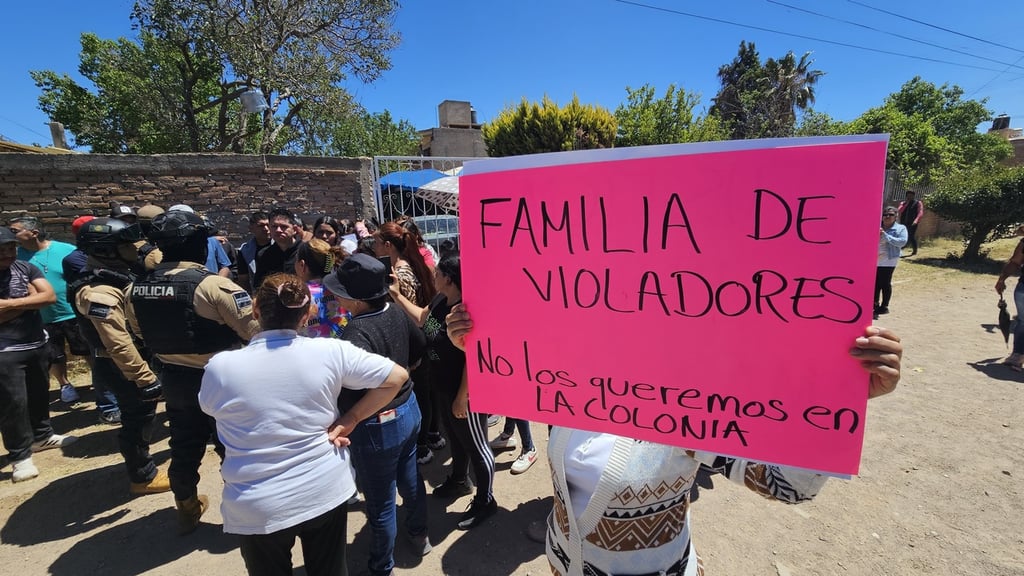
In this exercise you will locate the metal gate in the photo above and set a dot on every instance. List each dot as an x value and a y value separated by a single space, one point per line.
397 178
896 187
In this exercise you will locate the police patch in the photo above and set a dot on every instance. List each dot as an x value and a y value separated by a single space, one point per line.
98 311
242 299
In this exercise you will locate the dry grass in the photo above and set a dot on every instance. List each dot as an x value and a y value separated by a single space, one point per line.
940 257
78 371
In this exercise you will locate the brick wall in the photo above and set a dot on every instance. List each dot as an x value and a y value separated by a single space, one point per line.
223 187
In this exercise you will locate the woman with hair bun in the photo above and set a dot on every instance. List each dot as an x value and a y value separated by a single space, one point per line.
314 260
286 466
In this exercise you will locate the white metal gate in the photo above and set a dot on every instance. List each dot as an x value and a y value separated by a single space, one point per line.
397 178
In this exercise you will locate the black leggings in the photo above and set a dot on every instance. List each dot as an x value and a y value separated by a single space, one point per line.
883 285
430 420
469 448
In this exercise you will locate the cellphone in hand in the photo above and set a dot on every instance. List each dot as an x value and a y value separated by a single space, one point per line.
386 261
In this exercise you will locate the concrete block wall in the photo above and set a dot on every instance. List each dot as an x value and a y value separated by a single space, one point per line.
224 187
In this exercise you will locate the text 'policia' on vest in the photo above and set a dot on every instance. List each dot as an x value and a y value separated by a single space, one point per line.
159 292
168 320
164 300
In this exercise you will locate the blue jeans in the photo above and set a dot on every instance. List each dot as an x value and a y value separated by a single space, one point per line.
524 432
1018 331
106 400
384 458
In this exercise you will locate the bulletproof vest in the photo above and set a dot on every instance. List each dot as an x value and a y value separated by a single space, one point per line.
167 317
94 278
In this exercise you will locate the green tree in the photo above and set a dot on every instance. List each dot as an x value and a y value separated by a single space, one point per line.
531 128
139 106
365 134
761 100
814 123
644 119
933 132
986 203
915 148
204 55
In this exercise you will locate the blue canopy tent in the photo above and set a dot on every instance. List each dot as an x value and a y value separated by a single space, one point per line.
411 179
397 193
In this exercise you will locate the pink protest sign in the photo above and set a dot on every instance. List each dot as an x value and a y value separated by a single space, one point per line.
703 296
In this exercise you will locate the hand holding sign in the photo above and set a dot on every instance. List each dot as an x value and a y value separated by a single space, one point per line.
671 282
880 353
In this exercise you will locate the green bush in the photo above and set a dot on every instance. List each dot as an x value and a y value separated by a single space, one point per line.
532 128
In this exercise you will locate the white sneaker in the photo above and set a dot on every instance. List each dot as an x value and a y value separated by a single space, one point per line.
504 442
54 441
24 470
68 394
523 463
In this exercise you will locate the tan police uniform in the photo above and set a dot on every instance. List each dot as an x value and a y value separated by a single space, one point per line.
105 307
216 298
184 334
100 305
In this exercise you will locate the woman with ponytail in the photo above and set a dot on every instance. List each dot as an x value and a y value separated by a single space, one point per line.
415 280
426 250
286 468
314 260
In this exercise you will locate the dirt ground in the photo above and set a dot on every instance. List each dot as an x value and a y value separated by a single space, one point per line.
941 488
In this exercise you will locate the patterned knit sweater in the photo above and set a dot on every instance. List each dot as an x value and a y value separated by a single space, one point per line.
637 521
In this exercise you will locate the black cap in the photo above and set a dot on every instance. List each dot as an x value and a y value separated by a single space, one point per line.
6 235
122 211
360 277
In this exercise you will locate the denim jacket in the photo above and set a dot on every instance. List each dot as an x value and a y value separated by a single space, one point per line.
895 239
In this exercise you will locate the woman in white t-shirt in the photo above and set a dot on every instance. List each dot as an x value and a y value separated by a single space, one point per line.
286 469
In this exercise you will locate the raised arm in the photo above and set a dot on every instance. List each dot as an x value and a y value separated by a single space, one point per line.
418 315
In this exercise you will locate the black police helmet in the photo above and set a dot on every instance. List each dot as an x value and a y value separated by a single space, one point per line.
101 237
177 227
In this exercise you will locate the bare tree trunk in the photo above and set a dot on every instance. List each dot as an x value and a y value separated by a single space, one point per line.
972 249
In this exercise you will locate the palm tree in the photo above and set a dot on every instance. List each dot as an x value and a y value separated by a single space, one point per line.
760 100
789 86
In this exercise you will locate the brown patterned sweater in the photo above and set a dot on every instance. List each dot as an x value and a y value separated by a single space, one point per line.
637 521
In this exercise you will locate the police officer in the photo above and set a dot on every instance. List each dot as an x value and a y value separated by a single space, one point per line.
149 255
185 315
100 298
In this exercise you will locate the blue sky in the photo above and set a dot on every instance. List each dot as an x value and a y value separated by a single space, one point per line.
493 53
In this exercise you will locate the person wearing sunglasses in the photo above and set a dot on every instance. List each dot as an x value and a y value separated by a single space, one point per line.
892 237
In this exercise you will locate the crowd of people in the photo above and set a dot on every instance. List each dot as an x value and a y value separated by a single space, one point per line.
164 308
